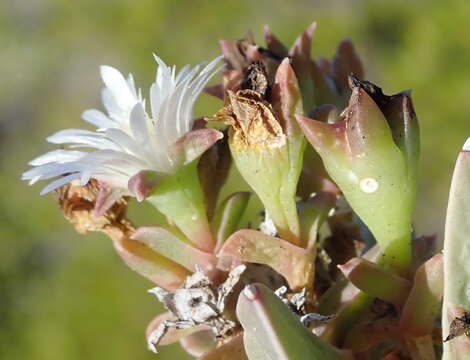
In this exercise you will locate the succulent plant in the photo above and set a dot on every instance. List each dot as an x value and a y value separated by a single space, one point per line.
331 267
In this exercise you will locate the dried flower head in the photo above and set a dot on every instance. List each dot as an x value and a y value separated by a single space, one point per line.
78 204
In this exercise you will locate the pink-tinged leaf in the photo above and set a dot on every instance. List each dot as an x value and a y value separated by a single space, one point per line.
193 144
273 331
377 282
324 65
314 88
106 199
232 80
173 335
345 62
286 98
364 336
424 302
216 91
199 343
303 44
421 348
231 350
172 247
325 137
346 302
252 54
274 44
424 247
232 55
148 263
326 113
292 262
143 183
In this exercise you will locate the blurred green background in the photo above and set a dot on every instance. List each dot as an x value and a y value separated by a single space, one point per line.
65 296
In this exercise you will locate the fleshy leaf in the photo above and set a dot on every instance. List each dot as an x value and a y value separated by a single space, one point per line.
346 62
346 302
213 169
172 247
314 89
148 263
366 335
373 172
198 343
232 55
173 335
456 259
273 331
231 350
143 183
376 282
312 213
107 197
228 216
273 43
292 262
193 144
424 302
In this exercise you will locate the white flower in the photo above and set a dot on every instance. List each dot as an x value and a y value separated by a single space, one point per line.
127 140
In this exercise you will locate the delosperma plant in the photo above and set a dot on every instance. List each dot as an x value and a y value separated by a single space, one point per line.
331 268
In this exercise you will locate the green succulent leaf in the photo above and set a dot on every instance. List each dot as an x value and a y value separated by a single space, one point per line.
273 332
155 267
456 260
372 156
377 282
173 247
228 215
291 261
424 302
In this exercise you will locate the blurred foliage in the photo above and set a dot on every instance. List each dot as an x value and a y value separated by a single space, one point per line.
65 296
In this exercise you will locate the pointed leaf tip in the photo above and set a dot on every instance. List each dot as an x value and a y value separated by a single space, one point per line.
193 144
466 146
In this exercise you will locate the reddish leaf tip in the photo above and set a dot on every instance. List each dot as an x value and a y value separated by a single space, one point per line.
251 292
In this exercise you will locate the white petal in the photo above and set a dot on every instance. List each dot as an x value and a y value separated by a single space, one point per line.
139 124
58 183
118 86
82 137
125 141
57 156
97 118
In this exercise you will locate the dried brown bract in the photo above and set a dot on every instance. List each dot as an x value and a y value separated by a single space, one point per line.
252 120
256 79
459 326
78 205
